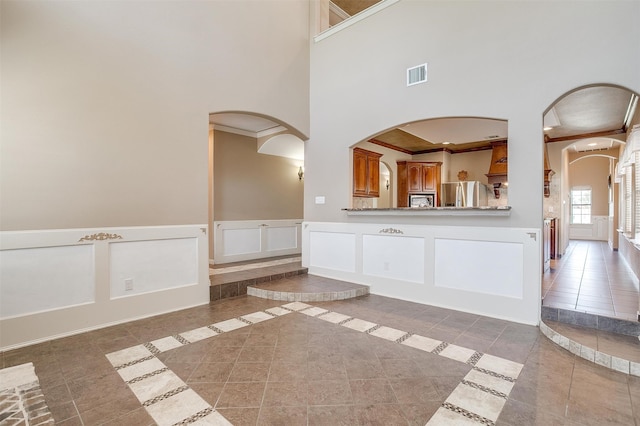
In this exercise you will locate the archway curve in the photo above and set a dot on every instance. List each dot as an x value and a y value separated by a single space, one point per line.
237 115
586 86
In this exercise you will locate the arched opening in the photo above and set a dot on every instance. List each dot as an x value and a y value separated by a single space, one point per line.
256 187
429 159
585 131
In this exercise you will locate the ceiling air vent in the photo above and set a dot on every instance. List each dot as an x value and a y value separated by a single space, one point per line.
417 75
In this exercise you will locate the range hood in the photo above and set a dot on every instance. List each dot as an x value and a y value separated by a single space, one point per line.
499 166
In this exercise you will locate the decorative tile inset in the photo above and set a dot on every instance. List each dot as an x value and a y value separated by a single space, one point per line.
359 325
176 408
198 334
166 343
296 306
257 317
140 369
388 333
314 312
278 311
477 401
124 356
334 317
455 416
489 381
230 325
457 352
153 387
500 365
423 343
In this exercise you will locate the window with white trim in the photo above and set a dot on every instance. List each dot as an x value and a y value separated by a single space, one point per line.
581 205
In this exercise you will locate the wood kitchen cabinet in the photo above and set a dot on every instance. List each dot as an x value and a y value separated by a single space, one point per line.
416 177
366 173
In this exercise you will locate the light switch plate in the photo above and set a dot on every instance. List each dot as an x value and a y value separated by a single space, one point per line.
320 199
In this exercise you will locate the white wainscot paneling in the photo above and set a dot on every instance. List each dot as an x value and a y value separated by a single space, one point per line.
241 240
46 278
56 283
401 258
479 266
281 237
332 250
598 229
153 265
491 271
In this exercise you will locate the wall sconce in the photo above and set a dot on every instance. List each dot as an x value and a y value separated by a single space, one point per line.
387 184
300 173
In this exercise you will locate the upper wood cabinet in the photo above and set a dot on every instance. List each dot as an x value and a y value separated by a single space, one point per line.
416 177
366 173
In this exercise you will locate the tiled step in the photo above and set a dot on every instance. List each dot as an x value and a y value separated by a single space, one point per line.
318 295
232 284
609 342
588 320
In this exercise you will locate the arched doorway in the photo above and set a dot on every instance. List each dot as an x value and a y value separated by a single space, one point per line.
256 187
584 137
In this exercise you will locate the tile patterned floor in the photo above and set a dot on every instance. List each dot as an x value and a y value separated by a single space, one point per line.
479 397
303 367
592 278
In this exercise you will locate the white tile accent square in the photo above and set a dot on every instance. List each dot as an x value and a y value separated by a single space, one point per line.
198 334
477 401
359 325
500 365
444 417
312 312
137 370
619 364
213 419
156 385
231 324
177 408
296 306
491 382
575 347
278 311
257 317
334 317
388 333
588 353
166 343
457 352
423 343
603 359
127 355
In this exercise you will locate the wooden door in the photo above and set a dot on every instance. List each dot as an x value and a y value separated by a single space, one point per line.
414 177
373 176
429 178
359 173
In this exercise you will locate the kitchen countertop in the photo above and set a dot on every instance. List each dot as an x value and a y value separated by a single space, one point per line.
431 211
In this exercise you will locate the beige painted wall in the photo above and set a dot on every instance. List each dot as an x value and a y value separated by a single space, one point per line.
248 185
105 105
592 171
495 64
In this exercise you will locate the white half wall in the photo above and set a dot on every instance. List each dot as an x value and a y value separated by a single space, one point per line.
597 230
239 240
482 270
56 283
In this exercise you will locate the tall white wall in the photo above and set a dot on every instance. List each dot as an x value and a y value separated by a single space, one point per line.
506 60
105 105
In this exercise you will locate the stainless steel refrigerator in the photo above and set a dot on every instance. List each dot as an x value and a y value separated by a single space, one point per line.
464 194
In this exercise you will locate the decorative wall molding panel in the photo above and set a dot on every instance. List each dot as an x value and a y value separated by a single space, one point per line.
61 282
236 241
598 229
483 270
